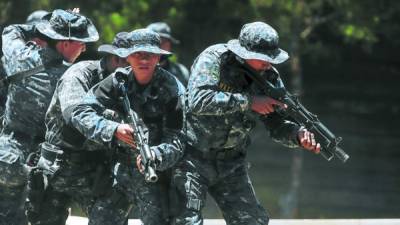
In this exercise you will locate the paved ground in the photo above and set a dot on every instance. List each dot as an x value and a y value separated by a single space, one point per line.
73 220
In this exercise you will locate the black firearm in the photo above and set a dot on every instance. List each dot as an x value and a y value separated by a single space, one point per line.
139 137
296 111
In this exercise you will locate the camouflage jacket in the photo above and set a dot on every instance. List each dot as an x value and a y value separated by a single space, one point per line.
28 99
219 112
158 104
177 69
3 92
70 90
20 54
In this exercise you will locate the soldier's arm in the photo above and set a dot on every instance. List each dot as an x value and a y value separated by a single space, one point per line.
20 54
172 147
204 95
87 116
282 130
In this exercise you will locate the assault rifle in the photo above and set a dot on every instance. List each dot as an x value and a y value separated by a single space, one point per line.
296 111
139 136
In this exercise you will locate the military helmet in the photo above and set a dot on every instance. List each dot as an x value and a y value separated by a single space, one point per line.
258 40
163 30
68 25
36 16
142 40
121 41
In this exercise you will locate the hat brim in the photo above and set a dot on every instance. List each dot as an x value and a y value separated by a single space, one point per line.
276 57
111 49
123 52
45 28
169 37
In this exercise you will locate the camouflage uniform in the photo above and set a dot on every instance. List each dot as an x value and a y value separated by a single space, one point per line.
84 175
219 120
31 19
159 104
156 104
177 69
27 102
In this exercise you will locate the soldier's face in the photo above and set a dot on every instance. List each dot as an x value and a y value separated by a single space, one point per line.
143 65
258 65
70 50
166 44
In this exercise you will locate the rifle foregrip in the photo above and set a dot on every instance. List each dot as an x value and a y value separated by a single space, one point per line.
150 175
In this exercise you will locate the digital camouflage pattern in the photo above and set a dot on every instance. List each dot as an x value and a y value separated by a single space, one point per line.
23 121
260 41
86 166
28 100
219 120
159 104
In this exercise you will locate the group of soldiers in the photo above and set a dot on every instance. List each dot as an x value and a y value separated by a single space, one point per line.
66 140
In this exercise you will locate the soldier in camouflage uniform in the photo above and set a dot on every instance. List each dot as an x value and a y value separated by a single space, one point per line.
65 34
222 107
33 18
83 167
156 96
177 69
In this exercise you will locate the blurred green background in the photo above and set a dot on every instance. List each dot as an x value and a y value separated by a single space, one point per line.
344 66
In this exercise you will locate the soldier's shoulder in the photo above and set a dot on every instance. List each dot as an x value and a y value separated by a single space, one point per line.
215 50
211 56
169 81
81 68
19 27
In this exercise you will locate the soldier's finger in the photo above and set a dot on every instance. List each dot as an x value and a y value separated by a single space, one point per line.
278 103
317 149
269 108
313 142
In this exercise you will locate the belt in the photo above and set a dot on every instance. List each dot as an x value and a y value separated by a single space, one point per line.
220 154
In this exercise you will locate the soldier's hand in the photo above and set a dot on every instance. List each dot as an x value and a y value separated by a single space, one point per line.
307 141
124 133
265 105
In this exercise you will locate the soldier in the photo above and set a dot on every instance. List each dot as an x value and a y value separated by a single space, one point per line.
66 150
177 69
33 18
156 96
222 108
65 34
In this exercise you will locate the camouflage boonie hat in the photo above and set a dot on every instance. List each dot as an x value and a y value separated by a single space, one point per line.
121 41
163 30
36 16
142 40
258 40
67 25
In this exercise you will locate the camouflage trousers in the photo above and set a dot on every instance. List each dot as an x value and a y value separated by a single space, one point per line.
151 201
13 178
77 184
227 181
